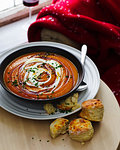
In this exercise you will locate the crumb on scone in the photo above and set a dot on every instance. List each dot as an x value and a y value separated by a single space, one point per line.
58 126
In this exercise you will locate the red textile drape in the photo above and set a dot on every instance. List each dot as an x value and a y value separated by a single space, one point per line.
92 22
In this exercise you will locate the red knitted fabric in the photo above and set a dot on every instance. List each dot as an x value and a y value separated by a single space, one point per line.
95 23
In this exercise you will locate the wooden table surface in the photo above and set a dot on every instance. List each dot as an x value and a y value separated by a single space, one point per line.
18 133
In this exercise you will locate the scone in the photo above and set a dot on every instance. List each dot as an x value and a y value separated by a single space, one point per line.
51 35
49 108
92 110
80 130
58 126
70 103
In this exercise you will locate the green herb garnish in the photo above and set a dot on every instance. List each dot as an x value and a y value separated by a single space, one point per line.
37 96
35 68
24 83
41 93
58 67
48 76
36 84
64 111
15 83
31 70
43 64
27 79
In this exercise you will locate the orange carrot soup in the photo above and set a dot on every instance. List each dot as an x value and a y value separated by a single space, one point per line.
40 75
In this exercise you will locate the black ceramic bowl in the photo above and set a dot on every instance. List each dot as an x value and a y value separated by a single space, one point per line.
38 47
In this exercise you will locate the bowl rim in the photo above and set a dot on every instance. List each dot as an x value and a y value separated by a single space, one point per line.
49 44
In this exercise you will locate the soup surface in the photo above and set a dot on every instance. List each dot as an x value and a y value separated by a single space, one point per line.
40 75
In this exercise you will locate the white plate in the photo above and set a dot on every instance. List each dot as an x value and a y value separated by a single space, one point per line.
28 109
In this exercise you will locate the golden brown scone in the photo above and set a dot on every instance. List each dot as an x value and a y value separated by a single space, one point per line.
58 126
70 103
92 110
80 130
49 108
